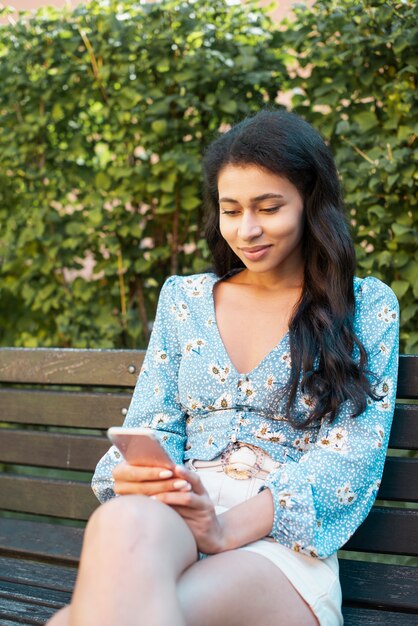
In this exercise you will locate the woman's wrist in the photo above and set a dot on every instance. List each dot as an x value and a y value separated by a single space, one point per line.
258 513
226 535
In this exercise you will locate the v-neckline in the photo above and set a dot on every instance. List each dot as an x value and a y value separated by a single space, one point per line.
221 342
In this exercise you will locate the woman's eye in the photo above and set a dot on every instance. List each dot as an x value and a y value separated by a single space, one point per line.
229 212
272 209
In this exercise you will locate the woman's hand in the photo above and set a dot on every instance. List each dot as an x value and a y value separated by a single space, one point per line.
147 481
197 510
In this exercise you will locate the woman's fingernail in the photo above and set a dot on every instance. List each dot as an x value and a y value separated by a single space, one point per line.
179 484
166 474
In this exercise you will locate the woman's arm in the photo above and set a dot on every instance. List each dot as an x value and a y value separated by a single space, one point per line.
154 403
217 533
321 500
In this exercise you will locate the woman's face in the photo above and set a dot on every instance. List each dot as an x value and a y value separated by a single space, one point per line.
262 219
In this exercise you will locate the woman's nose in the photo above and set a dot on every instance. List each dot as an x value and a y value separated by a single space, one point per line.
249 227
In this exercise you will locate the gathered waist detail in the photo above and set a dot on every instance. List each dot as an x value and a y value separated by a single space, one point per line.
240 461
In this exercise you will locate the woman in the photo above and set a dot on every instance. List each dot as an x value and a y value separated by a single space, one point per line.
271 382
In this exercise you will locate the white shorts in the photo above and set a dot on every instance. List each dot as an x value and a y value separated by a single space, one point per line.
316 580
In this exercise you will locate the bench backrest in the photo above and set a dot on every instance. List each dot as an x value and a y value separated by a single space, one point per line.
47 395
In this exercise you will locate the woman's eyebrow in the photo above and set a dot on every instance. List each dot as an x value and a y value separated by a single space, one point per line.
264 196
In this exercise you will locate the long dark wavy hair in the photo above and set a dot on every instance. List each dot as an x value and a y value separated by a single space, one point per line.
327 357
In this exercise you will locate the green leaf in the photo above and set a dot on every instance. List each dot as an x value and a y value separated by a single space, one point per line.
103 181
400 287
366 120
159 127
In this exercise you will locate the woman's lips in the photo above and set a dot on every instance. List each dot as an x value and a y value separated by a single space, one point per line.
255 253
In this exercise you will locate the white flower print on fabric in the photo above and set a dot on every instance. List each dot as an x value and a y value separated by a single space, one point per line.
190 419
307 401
303 443
308 550
345 494
193 286
285 499
384 389
193 346
270 382
247 389
264 432
114 452
193 403
384 349
181 311
336 440
379 430
373 489
210 322
219 373
161 357
285 358
159 419
387 315
279 417
223 402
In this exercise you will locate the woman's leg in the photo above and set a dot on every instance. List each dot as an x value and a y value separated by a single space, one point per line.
240 587
134 550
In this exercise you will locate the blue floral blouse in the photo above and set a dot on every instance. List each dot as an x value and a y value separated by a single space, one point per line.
197 403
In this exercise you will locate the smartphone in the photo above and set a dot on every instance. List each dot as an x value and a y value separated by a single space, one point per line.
139 446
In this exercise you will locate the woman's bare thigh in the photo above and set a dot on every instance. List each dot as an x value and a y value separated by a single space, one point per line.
240 587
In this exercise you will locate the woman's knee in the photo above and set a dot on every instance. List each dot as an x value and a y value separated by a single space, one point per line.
61 618
128 526
127 517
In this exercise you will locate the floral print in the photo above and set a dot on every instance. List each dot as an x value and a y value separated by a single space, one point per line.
196 401
345 494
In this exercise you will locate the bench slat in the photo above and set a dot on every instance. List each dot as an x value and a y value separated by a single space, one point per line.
34 594
24 612
102 410
82 452
399 480
369 617
392 587
46 542
408 376
47 576
58 450
387 530
63 408
404 431
54 498
68 366
76 501
53 366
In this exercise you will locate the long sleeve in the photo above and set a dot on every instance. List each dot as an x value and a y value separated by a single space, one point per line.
321 500
155 402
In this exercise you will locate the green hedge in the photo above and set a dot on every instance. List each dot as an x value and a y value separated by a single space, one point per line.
105 112
358 85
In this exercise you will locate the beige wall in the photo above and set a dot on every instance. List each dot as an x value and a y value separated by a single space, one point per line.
283 7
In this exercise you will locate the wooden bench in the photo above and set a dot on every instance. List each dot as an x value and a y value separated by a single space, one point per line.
47 395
